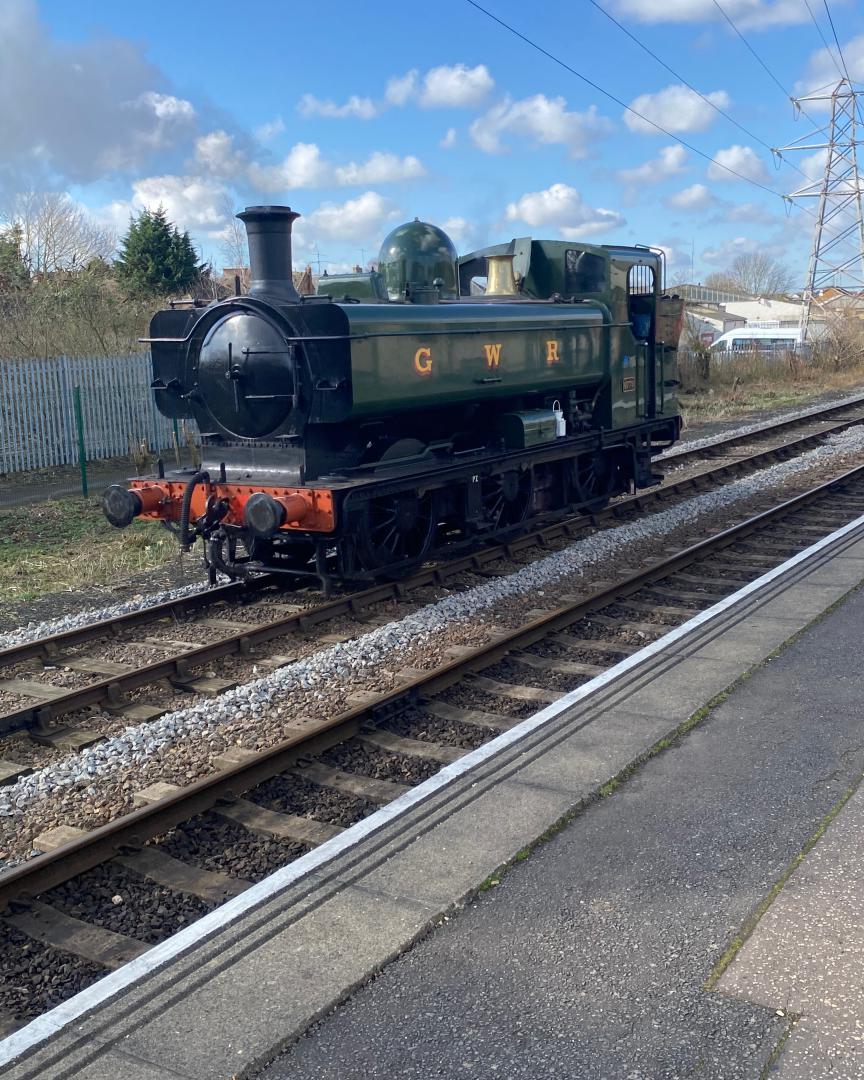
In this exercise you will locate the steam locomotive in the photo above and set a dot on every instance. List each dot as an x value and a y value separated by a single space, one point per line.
352 433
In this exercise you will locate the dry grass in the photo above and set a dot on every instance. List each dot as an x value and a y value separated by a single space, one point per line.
67 544
750 383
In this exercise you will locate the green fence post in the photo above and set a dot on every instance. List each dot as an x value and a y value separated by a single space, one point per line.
82 453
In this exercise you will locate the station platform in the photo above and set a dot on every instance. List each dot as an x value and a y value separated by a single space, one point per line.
661 879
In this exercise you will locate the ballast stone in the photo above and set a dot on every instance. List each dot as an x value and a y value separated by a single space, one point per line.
383 645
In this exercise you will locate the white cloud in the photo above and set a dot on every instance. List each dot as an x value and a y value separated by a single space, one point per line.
215 152
191 202
168 108
741 159
675 108
380 168
699 199
463 233
671 161
447 86
449 140
304 166
696 197
545 120
724 253
356 107
562 207
401 88
268 131
77 110
457 86
822 70
746 13
353 222
751 212
813 165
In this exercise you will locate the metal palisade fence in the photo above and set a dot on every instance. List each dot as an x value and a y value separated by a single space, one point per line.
37 410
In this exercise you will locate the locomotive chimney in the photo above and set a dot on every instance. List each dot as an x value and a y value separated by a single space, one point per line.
268 230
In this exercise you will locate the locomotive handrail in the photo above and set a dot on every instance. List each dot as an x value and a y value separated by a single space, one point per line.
313 339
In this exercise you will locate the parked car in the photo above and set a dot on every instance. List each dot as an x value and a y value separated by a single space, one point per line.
757 339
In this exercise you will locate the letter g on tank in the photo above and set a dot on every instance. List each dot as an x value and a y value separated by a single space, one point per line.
423 361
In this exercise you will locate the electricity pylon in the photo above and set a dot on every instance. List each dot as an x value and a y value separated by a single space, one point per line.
838 236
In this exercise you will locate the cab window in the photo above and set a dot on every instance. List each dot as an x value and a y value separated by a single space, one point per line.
640 300
584 272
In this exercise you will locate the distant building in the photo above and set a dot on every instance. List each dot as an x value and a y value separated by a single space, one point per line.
704 323
766 313
700 294
706 319
231 275
835 301
303 280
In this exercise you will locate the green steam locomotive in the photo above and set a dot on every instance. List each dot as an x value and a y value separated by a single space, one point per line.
353 433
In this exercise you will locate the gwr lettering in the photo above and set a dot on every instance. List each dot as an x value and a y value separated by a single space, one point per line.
552 356
423 361
493 355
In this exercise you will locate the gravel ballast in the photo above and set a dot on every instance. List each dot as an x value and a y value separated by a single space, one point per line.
34 631
91 787
686 445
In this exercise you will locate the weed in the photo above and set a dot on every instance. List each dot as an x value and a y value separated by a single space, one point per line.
67 544
749 382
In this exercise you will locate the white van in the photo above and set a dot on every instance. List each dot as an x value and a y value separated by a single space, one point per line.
758 339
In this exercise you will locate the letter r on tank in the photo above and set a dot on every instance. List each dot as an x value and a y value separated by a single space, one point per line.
423 361
552 356
493 355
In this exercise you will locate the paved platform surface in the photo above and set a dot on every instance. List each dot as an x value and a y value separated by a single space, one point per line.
806 956
588 959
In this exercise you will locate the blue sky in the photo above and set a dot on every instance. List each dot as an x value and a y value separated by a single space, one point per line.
361 115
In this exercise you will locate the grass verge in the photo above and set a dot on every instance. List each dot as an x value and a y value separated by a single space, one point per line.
748 384
68 544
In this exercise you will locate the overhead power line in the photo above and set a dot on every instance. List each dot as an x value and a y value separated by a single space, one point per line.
720 111
680 78
824 39
762 63
845 70
788 202
628 108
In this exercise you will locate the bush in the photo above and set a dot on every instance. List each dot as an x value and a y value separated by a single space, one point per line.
79 313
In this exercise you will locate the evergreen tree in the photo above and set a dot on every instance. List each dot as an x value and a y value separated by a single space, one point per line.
155 256
13 272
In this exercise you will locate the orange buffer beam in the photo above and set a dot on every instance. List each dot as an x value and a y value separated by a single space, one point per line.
305 509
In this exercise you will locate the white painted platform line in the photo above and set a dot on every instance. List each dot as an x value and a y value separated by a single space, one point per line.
50 1023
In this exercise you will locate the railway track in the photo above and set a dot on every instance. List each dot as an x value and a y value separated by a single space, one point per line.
48 685
760 433
95 900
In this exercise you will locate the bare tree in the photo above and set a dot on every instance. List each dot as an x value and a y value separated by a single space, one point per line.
235 250
55 233
754 273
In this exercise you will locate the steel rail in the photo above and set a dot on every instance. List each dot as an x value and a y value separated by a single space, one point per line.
39 715
51 645
131 830
683 453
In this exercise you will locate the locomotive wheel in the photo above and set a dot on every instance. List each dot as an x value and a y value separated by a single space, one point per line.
594 481
396 529
507 498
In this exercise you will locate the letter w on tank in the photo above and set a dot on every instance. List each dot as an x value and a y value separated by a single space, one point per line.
493 355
